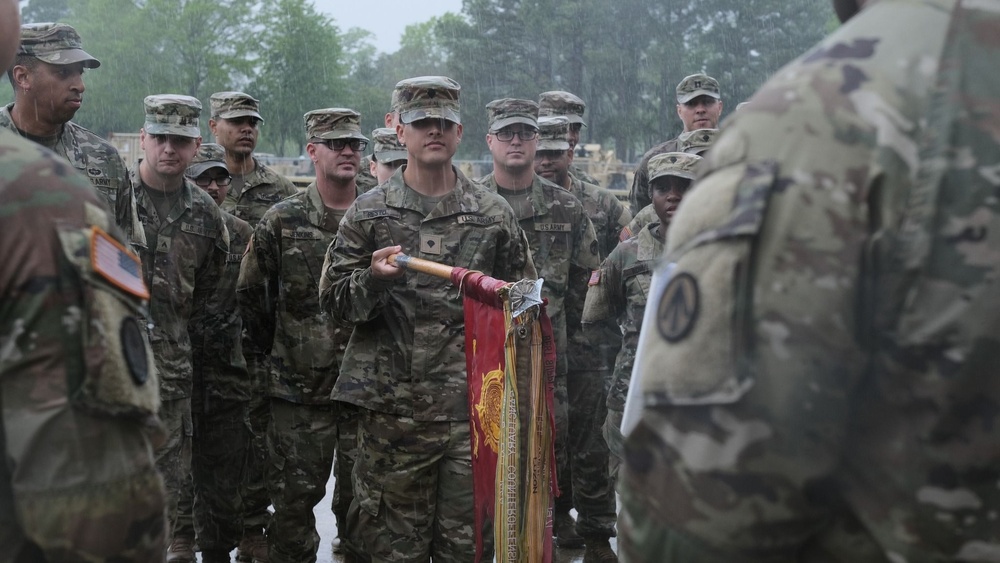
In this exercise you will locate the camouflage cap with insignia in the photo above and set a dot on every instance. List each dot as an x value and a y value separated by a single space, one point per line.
697 85
427 97
230 105
54 43
680 164
172 114
508 111
387 146
697 141
210 155
552 133
333 123
558 102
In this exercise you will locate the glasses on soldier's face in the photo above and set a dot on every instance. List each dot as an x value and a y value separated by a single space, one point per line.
507 135
206 180
357 145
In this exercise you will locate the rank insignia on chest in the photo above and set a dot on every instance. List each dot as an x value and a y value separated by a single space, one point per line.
431 244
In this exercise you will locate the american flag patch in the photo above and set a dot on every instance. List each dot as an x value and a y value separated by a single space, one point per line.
595 277
625 234
116 263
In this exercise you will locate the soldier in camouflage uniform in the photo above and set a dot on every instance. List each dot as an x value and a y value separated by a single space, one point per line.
558 103
699 105
235 124
564 248
591 357
819 380
367 178
77 379
619 290
47 76
405 361
210 508
695 142
183 266
279 297
388 155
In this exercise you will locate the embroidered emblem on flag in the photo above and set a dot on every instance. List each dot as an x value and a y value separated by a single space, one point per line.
116 264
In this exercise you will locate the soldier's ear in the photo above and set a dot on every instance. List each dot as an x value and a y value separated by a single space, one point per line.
22 77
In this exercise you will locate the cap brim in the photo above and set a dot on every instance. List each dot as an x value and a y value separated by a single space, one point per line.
675 173
341 135
430 113
233 114
169 129
390 156
199 168
507 121
70 56
553 145
692 95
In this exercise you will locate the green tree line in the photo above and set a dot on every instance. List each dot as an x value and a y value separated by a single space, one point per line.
624 58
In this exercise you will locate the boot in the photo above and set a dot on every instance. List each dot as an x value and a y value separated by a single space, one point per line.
181 550
215 556
252 549
599 551
564 530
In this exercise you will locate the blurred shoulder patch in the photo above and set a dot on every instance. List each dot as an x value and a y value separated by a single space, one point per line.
677 311
116 264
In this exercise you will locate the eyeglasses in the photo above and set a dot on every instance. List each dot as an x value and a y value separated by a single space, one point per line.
357 145
206 181
508 135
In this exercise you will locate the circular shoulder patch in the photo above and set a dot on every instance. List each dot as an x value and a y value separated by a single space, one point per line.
678 308
134 350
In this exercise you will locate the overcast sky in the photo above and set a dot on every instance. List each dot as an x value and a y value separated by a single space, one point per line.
385 18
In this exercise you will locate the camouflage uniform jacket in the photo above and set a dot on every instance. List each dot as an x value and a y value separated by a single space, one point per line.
99 161
262 188
832 316
639 196
279 297
223 375
565 251
407 353
184 268
619 292
596 351
365 180
77 380
644 217
578 172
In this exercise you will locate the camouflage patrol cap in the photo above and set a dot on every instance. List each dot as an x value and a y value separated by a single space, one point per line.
172 114
427 97
552 132
697 85
558 102
230 105
210 155
508 111
387 145
697 141
54 43
680 164
333 123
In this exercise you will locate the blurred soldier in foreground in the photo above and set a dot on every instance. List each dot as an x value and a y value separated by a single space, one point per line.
235 124
619 290
78 388
817 380
590 360
388 155
699 105
558 103
47 76
183 266
279 297
210 509
405 363
564 249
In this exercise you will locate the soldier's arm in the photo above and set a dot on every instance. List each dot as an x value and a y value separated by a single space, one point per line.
605 297
348 288
209 304
583 261
638 197
258 285
514 260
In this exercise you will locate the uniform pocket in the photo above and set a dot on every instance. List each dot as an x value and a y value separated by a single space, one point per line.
120 376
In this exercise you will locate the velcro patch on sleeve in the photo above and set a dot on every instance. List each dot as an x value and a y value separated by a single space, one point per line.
117 264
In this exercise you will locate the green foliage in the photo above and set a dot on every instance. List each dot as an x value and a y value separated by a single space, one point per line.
38 11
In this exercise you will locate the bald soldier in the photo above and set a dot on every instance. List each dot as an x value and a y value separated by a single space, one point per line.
78 386
47 77
817 377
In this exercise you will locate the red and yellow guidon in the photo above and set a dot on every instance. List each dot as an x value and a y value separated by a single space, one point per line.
490 406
